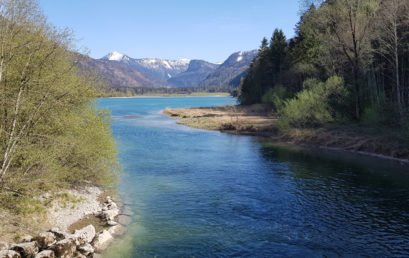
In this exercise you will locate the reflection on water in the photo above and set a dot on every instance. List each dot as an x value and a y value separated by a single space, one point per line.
206 194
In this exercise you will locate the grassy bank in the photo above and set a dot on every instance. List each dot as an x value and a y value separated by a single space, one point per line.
259 120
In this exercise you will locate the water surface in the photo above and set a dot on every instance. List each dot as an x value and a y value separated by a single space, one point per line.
199 193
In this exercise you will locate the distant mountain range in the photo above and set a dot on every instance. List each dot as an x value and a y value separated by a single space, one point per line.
122 71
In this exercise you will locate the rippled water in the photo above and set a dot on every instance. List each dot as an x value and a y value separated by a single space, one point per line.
198 193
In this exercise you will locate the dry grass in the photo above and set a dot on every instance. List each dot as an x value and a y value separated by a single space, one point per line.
382 142
255 120
13 227
88 220
260 120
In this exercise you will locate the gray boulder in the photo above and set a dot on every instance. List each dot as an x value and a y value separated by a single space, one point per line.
59 235
79 255
45 254
29 249
102 240
86 249
110 214
65 248
45 239
25 239
85 235
117 230
9 254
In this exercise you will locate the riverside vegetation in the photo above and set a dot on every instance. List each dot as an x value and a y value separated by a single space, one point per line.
342 81
52 136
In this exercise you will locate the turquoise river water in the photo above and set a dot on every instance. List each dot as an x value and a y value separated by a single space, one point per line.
197 193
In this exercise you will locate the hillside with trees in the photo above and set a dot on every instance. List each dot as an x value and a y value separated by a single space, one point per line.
52 136
347 64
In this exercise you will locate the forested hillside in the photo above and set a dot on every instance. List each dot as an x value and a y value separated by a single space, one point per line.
51 134
349 62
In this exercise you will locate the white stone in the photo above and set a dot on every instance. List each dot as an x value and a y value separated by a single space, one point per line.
86 249
102 240
45 254
9 254
45 239
112 223
110 214
25 239
26 249
85 235
65 248
117 230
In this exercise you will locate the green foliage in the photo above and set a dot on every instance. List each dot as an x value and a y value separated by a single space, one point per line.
266 70
278 50
373 115
311 107
383 113
51 134
275 96
361 41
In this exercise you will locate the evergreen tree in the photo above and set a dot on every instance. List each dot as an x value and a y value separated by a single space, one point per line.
278 51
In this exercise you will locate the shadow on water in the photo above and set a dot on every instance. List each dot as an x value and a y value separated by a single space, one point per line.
349 197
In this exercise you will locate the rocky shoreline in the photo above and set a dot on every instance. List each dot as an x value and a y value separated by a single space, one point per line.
85 242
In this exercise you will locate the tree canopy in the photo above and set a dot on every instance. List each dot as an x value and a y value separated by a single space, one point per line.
364 42
51 133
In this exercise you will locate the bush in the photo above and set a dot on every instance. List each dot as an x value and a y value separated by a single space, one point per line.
315 105
383 113
275 96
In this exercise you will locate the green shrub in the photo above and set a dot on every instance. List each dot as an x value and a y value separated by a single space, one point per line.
383 113
314 105
275 96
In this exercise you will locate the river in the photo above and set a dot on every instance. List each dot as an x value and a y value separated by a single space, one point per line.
197 193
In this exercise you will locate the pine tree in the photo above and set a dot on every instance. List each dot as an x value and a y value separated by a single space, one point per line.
278 50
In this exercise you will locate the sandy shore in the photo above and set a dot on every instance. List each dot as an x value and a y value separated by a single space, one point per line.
81 203
67 210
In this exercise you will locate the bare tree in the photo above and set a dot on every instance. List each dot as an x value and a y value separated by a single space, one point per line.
348 25
391 20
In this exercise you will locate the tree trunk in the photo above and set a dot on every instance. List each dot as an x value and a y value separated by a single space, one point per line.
397 78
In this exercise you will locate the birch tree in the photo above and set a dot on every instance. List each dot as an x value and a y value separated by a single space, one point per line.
390 25
349 24
40 89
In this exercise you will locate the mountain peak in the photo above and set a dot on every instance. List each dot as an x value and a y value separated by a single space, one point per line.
115 56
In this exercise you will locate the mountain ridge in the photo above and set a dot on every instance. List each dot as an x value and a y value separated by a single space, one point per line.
122 71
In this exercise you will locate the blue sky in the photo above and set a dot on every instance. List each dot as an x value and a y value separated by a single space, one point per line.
206 29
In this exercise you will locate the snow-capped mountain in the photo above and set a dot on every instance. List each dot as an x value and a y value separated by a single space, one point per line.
122 71
234 67
197 71
161 68
118 74
116 56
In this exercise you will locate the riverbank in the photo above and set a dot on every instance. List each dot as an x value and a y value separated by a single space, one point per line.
67 213
259 120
